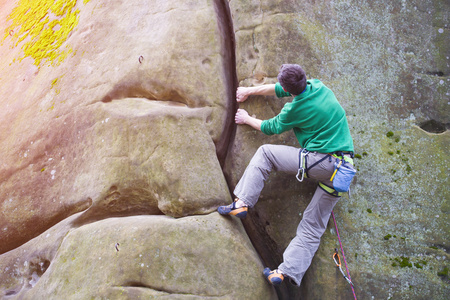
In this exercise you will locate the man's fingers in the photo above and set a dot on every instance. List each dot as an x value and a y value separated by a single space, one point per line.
241 96
240 116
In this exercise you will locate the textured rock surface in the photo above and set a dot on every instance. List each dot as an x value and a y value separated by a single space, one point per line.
126 109
129 263
388 64
111 127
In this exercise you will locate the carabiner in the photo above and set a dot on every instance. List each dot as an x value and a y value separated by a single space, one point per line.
301 169
338 264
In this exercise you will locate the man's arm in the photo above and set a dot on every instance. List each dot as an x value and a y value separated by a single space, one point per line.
242 117
242 93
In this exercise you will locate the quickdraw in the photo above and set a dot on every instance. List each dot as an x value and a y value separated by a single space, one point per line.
349 279
338 264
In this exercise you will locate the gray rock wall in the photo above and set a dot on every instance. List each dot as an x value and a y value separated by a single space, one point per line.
388 64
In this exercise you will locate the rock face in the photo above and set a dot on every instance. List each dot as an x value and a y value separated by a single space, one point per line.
121 258
111 127
123 119
388 64
118 143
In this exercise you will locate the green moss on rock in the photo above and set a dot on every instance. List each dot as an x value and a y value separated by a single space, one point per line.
443 273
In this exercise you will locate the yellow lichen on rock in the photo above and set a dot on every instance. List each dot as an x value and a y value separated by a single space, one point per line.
43 26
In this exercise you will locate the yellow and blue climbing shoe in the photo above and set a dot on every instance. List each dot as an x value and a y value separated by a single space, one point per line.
232 210
274 277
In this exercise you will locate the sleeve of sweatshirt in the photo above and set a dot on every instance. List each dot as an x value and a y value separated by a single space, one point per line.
278 124
280 92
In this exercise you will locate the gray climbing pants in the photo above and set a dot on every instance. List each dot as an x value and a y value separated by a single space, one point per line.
298 255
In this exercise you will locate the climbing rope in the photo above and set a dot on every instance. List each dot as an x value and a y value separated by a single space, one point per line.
338 262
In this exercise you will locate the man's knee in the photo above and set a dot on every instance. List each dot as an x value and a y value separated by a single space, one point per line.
262 158
265 149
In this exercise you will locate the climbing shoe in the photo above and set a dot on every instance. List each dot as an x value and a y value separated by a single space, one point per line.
232 210
273 277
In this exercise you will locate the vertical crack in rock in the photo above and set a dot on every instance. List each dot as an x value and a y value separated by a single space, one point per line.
225 24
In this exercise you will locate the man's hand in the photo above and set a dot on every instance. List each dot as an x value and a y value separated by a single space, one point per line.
241 116
242 93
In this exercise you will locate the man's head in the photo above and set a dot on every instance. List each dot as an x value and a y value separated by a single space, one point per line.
292 78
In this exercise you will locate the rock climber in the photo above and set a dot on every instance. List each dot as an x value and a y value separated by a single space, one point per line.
320 125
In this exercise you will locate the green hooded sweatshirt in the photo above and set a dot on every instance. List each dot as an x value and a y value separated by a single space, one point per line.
318 120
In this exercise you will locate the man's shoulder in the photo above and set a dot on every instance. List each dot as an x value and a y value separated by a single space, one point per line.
316 83
318 86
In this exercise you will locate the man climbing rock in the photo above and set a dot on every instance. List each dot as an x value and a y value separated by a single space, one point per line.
321 127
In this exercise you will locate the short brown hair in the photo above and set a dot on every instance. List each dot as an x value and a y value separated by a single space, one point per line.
292 78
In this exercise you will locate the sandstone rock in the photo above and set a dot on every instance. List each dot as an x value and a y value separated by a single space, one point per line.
130 122
23 266
141 257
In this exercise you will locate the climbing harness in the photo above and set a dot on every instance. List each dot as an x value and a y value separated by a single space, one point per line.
307 168
346 155
301 165
342 176
338 262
